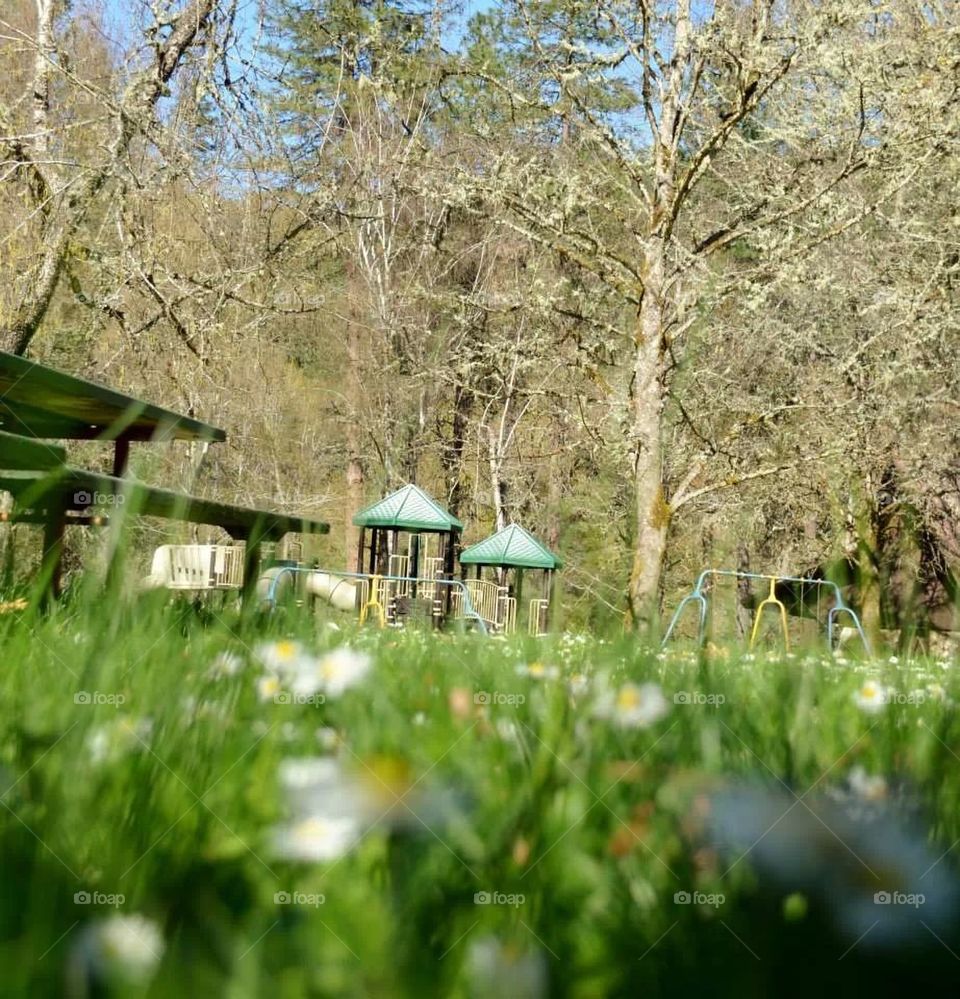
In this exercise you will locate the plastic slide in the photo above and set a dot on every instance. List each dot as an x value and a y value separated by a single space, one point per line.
335 590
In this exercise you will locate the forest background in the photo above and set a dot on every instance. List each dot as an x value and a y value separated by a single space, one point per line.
673 284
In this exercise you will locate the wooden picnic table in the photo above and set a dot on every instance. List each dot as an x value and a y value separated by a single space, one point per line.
39 404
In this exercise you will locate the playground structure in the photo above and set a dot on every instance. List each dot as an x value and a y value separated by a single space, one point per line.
407 556
196 568
370 595
407 543
828 598
509 553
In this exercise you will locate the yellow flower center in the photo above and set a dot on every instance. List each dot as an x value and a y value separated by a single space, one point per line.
285 650
629 697
312 828
388 776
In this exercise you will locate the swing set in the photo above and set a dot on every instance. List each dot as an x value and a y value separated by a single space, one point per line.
825 591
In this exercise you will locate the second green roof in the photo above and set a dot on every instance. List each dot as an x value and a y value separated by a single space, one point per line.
409 509
513 546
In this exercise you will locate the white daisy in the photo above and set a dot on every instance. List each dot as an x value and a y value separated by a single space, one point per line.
333 673
538 671
128 948
268 686
871 697
285 656
316 838
633 705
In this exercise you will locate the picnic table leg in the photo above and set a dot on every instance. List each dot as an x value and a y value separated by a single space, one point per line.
251 562
51 573
121 457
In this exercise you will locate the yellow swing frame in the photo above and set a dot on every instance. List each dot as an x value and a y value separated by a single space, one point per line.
771 598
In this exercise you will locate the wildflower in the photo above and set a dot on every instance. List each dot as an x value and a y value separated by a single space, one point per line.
871 697
268 686
316 838
633 705
332 674
538 671
796 848
121 949
380 789
281 657
226 664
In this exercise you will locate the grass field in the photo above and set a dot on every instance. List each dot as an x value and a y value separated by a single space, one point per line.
197 805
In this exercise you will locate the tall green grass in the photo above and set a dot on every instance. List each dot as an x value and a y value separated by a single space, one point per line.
528 843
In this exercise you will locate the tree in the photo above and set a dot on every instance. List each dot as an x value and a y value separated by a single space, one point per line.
65 193
753 120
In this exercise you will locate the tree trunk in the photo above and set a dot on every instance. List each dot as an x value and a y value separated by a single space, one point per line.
452 454
648 388
354 475
652 509
498 487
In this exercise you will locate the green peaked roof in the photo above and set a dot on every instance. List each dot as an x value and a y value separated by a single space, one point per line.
513 546
410 509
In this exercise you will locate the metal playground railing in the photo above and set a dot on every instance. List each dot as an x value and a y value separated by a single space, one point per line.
377 591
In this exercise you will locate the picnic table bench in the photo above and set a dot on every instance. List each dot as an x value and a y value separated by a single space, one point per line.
39 404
